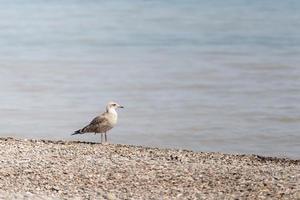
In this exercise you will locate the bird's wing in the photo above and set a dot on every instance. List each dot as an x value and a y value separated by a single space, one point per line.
96 124
99 120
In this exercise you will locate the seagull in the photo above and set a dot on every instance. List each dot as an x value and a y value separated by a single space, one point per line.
102 123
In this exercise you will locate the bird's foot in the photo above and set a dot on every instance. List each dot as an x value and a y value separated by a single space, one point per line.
104 143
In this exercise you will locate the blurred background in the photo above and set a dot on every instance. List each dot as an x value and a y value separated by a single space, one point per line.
195 74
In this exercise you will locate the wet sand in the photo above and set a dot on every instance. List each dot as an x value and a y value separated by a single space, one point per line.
41 169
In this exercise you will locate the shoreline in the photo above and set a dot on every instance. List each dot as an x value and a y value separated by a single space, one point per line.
53 141
37 168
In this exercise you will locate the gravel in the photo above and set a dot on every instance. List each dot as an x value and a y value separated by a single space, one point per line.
42 169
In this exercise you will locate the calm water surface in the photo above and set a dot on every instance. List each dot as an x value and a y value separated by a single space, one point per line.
200 75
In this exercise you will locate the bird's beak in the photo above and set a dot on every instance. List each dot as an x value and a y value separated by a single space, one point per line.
121 106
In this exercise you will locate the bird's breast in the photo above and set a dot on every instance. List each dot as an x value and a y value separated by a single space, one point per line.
113 118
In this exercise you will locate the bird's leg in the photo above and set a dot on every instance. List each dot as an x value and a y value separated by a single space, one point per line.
101 138
105 137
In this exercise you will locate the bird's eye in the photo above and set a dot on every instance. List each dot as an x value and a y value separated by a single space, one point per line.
113 104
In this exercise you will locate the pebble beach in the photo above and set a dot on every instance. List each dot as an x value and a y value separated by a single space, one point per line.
42 169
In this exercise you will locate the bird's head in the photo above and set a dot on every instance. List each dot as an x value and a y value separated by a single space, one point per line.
113 105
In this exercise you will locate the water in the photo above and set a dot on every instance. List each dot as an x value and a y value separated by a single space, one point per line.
200 75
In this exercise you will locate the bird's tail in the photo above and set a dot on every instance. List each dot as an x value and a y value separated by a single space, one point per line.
80 131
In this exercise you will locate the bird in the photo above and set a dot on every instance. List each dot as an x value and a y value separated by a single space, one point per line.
102 123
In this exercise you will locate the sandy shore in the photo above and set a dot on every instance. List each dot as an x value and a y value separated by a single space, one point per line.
40 169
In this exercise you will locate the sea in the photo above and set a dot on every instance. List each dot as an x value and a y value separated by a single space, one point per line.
207 76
